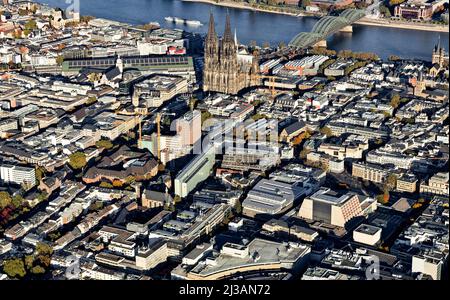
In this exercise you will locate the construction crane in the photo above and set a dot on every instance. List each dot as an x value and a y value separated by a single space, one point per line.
158 136
271 85
139 114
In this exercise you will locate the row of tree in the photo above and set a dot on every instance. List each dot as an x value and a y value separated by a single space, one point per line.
36 263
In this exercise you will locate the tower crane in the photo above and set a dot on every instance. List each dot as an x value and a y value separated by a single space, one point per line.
158 135
271 85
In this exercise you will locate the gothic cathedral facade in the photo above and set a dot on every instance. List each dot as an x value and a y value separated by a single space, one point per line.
223 71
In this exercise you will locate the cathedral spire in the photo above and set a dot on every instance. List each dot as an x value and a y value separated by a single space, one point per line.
227 35
437 47
211 31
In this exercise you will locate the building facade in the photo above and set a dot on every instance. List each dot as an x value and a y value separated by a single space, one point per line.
331 208
194 172
414 12
18 175
224 72
369 172
436 185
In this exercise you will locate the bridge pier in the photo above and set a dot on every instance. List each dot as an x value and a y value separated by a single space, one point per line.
322 43
347 29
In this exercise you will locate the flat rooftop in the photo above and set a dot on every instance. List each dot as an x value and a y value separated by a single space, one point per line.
367 229
261 252
330 196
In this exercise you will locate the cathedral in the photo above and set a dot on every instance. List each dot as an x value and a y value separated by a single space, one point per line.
438 59
226 70
438 56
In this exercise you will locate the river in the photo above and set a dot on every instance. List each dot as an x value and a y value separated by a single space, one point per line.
261 26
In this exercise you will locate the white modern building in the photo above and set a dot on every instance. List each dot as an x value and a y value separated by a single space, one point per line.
18 174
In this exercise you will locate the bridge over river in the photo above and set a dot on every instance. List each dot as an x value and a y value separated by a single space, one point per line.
326 27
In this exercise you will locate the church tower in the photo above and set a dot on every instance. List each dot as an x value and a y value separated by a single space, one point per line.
229 64
211 57
438 55
420 86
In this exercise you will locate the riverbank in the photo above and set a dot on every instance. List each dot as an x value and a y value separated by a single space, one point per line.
248 7
364 21
403 25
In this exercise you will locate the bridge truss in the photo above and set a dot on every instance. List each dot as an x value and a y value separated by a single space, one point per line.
325 27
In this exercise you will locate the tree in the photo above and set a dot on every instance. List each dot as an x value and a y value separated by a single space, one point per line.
40 173
29 261
93 77
23 12
77 160
53 236
14 268
386 197
238 207
44 260
5 199
104 143
258 116
117 183
59 60
365 56
345 54
394 58
395 100
305 3
86 19
322 51
327 131
205 116
97 205
383 198
395 2
417 205
42 196
130 179
105 184
37 270
299 139
17 201
355 66
325 65
29 27
385 11
44 249
320 86
91 100
169 207
391 182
